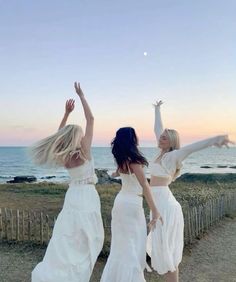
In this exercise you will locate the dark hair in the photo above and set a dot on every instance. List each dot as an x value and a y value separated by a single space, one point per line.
125 150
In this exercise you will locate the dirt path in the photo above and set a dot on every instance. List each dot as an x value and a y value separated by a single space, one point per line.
212 259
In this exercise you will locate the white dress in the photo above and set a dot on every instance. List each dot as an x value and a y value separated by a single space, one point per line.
127 258
165 243
78 233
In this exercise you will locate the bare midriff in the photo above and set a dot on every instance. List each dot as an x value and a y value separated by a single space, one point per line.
159 181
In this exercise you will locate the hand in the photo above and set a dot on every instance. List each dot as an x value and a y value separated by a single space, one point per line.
70 104
158 103
155 217
226 141
114 174
78 89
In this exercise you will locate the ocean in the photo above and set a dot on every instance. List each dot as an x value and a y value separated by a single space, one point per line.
15 162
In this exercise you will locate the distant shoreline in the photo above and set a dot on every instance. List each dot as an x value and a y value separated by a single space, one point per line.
104 178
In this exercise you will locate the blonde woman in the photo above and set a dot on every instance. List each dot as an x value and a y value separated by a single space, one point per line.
78 233
165 243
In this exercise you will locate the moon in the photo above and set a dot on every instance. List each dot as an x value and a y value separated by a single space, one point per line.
145 54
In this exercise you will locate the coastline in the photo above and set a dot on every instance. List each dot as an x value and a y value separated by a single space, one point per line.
15 162
104 177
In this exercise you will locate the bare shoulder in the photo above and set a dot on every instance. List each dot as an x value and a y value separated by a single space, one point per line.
74 161
135 167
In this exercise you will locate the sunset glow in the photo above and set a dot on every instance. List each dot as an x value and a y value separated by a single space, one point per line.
124 65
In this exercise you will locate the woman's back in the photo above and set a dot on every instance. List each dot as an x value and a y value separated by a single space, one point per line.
130 184
83 174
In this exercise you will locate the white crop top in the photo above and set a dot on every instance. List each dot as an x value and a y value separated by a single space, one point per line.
156 169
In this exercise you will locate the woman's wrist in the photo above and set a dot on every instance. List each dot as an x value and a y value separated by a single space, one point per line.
154 211
81 95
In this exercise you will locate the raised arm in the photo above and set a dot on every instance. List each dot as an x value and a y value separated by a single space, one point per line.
139 173
185 151
88 136
69 107
158 126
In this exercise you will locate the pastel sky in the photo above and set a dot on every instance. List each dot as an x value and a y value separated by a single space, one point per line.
190 64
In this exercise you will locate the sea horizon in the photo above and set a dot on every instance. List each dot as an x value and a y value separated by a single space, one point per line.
14 161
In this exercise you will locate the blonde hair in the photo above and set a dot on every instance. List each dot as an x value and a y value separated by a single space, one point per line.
173 137
174 140
58 148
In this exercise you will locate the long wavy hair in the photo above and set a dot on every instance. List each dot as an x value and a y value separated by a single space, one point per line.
57 149
125 149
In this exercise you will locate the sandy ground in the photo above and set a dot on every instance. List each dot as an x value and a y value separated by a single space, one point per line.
212 259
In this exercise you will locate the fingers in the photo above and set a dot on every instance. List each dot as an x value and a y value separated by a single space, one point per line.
227 142
70 104
152 224
162 222
77 86
158 103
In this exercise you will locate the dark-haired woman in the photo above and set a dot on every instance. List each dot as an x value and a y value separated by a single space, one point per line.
127 258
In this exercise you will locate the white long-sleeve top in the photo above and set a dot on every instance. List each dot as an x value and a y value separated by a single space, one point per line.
171 162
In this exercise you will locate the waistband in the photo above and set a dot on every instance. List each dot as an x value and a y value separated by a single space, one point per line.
131 198
79 181
159 188
79 184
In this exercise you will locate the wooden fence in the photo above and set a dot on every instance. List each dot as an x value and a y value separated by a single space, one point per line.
199 219
30 226
36 227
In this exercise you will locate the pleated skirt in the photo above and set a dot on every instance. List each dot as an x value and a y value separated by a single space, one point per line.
77 238
165 243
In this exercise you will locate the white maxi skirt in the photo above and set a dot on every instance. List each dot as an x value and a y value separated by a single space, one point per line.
77 238
165 243
127 258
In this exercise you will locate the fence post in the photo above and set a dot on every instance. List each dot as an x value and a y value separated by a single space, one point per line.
6 223
17 225
29 226
1 226
41 228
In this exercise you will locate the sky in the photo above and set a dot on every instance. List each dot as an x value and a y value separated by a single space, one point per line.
126 54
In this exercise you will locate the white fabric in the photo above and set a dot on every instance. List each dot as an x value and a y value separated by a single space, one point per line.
77 237
165 243
127 258
83 174
156 169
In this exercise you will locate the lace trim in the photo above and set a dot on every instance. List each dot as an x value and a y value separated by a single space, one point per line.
88 180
